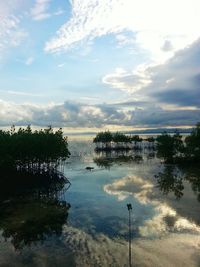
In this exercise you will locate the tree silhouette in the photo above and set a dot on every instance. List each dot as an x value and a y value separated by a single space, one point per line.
193 144
32 149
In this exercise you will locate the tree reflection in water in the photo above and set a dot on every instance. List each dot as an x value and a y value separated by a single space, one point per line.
172 178
35 210
192 174
106 159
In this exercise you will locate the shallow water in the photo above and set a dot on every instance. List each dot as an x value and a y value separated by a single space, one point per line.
94 230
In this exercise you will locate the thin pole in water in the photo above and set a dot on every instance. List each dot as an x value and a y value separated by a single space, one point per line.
129 206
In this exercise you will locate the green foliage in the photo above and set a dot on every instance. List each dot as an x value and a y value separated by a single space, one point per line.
165 146
107 136
150 139
136 139
27 148
109 140
172 148
120 138
104 137
113 141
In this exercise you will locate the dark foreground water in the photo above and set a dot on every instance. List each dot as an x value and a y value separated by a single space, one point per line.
86 224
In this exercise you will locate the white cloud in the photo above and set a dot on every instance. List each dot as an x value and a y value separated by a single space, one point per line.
79 115
130 81
59 12
10 113
69 114
11 34
40 10
175 82
61 65
154 23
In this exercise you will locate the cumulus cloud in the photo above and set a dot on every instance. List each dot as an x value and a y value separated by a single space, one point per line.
175 82
69 114
148 20
127 81
10 113
74 114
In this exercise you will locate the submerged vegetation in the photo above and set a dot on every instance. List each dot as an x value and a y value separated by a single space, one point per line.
30 149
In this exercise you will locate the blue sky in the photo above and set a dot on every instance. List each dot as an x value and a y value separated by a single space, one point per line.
100 64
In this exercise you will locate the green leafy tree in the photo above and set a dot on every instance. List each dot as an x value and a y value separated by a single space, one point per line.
32 149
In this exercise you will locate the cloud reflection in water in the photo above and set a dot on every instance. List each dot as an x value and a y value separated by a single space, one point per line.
166 219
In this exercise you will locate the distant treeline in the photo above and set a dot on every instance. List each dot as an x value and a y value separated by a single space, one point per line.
119 141
30 149
172 148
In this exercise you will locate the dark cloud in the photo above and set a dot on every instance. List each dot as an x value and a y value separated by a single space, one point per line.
156 117
178 80
131 104
180 97
74 114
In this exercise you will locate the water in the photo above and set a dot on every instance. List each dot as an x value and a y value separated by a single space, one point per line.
86 224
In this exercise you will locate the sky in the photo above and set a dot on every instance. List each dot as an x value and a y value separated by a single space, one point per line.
87 65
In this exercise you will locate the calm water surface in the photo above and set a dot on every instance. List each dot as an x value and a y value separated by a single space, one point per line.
86 224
